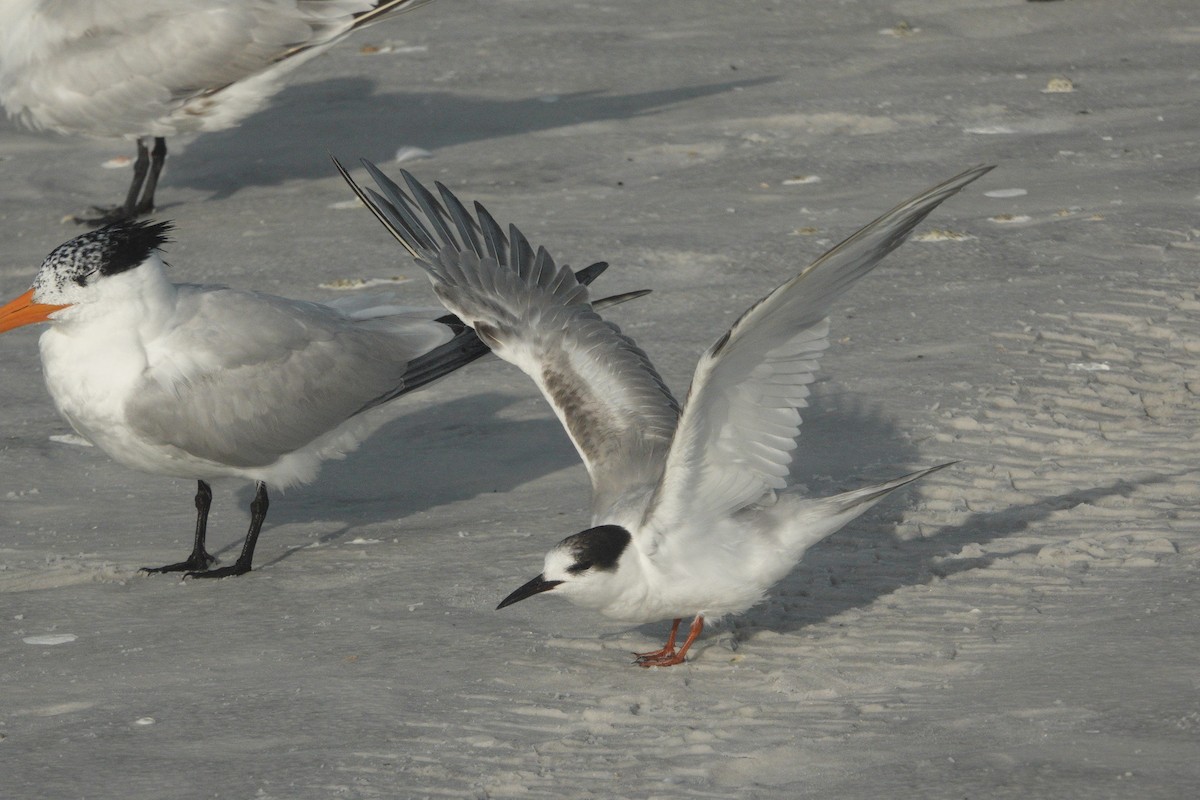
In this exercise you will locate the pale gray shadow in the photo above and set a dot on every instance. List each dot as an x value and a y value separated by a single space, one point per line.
292 137
844 437
433 456
846 443
821 582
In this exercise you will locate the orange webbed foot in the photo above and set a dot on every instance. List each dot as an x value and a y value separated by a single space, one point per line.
668 656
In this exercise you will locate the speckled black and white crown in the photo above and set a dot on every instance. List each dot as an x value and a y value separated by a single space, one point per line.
109 250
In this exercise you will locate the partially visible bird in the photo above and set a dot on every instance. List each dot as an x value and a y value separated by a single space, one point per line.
148 69
688 513
206 382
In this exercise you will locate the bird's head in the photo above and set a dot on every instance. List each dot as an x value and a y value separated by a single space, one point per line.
583 568
76 272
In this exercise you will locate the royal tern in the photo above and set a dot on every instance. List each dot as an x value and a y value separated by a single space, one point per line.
688 516
206 382
148 69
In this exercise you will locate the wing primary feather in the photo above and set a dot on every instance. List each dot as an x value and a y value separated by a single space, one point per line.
393 192
896 224
617 299
468 229
466 346
590 272
493 235
741 421
834 272
534 313
439 362
375 208
432 209
563 285
404 225
403 206
519 251
543 267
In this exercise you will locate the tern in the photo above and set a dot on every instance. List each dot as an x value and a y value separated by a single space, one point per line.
148 69
689 512
207 382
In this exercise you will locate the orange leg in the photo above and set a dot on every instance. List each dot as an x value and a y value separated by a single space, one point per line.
668 657
668 649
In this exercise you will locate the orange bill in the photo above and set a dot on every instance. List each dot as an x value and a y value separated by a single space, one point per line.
23 311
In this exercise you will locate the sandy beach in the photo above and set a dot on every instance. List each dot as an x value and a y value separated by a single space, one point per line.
1022 625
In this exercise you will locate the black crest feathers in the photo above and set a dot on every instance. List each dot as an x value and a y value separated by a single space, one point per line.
109 250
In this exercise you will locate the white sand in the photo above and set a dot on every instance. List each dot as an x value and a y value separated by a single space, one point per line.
1022 625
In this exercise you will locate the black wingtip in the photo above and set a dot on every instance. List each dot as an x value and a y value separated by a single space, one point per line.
617 299
591 272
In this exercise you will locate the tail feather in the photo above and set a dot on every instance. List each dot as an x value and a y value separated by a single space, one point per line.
820 517
863 498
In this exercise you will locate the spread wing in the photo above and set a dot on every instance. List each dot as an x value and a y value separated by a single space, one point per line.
536 315
741 419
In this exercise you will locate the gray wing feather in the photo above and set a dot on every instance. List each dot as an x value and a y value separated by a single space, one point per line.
740 424
220 390
468 229
615 407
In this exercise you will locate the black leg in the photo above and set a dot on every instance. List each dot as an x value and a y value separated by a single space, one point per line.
158 159
258 513
129 209
199 559
139 176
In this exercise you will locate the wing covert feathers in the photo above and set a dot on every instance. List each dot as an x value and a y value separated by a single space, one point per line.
739 426
532 313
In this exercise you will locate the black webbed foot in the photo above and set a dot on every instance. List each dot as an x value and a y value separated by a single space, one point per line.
196 561
231 571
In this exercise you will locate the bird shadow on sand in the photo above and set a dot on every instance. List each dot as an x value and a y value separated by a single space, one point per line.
827 585
440 454
847 445
845 439
289 139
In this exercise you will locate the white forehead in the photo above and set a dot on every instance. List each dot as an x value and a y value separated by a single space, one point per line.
557 562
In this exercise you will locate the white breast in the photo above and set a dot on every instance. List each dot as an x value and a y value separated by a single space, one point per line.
90 379
95 355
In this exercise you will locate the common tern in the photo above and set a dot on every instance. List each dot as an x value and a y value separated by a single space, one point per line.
689 516
206 382
148 69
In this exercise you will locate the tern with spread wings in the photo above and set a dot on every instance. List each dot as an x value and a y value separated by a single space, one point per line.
689 512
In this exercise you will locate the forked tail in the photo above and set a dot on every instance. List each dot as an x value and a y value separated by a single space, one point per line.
820 517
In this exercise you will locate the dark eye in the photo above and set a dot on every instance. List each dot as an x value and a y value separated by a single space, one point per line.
579 566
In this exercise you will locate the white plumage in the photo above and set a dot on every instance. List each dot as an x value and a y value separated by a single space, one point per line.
148 69
207 382
688 517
